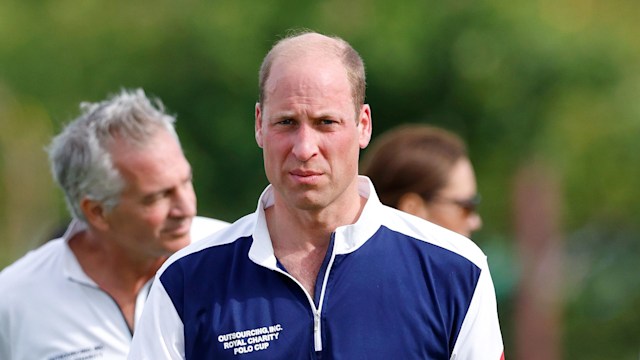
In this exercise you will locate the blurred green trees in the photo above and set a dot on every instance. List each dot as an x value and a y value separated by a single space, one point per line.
554 81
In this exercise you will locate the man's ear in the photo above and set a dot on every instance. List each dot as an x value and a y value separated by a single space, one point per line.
258 129
365 126
95 213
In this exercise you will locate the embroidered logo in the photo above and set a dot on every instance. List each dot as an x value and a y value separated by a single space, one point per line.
247 341
93 352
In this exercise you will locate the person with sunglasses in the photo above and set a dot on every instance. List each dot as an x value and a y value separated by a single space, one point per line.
425 171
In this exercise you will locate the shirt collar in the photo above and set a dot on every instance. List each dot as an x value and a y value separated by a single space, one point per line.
72 269
348 238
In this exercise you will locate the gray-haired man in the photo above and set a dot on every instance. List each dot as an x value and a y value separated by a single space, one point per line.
128 186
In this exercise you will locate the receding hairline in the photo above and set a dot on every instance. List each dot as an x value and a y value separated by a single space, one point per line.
309 41
312 44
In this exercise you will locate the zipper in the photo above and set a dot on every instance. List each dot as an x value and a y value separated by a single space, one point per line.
317 312
317 328
317 333
95 287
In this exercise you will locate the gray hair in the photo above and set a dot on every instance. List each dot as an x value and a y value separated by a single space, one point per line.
80 160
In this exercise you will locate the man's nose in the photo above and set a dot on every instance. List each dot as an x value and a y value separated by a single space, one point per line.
184 204
305 144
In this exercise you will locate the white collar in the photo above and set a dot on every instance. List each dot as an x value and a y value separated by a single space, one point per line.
347 238
72 269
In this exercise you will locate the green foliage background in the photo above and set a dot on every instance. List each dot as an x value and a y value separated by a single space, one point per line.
555 81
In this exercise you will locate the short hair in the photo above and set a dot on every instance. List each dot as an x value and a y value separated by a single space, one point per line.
294 44
412 158
79 156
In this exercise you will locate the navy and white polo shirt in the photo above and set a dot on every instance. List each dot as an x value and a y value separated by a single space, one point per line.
392 286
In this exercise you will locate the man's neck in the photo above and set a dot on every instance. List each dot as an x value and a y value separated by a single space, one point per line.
112 270
301 238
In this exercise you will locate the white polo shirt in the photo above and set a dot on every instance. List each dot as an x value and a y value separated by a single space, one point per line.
50 309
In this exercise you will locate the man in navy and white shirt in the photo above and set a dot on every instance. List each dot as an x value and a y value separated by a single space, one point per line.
321 270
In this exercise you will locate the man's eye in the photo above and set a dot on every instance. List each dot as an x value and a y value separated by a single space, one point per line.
151 199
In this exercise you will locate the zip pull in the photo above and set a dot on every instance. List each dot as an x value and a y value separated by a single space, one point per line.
317 336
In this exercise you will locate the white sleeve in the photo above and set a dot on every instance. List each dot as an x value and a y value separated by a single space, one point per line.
159 334
5 342
202 227
480 336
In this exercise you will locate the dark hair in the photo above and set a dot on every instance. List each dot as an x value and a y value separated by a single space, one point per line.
411 158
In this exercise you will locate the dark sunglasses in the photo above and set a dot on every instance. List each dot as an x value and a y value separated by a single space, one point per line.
469 205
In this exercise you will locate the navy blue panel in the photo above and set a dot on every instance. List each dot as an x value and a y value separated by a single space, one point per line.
396 298
227 294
